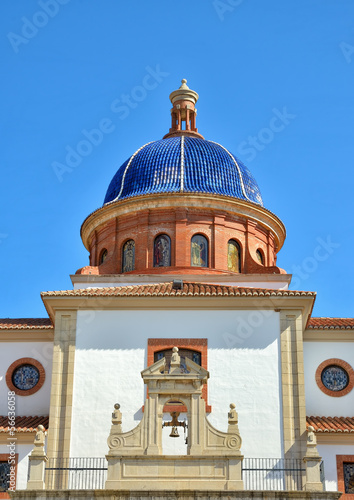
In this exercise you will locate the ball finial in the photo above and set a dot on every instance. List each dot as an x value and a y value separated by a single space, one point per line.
117 406
184 80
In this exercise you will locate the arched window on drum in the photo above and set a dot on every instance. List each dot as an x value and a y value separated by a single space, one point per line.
162 251
128 257
233 256
199 251
103 256
260 257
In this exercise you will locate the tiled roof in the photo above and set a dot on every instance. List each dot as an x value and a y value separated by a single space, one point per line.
183 164
331 324
166 289
25 323
24 424
331 424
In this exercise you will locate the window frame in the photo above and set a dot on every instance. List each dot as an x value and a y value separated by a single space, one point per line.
4 457
198 345
207 248
16 364
341 459
170 250
342 364
122 255
238 245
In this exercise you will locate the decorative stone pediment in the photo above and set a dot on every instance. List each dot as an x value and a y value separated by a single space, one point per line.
138 453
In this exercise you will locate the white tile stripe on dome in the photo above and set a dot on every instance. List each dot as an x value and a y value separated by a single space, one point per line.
126 169
182 163
238 168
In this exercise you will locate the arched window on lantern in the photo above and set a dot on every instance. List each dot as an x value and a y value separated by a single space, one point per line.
199 251
162 251
128 256
103 256
233 256
260 257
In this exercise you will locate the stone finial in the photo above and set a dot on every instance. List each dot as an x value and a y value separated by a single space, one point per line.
233 415
311 445
117 417
233 420
175 361
39 441
313 463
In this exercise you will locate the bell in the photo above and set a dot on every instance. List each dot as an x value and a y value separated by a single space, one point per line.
174 433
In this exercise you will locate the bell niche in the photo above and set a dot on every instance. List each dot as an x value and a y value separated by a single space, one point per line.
135 458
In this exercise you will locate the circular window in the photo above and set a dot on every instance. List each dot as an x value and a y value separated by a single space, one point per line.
25 376
335 377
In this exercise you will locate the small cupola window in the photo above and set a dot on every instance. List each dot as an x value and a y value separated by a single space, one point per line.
199 251
260 257
103 256
128 257
162 251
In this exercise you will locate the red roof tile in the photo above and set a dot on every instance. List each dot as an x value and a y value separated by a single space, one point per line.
331 424
331 324
25 323
24 424
166 289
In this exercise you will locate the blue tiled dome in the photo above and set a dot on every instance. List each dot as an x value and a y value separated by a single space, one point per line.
183 164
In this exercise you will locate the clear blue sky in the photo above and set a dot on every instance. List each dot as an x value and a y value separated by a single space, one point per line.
66 70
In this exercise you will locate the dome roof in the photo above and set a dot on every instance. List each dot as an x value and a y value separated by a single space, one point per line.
183 164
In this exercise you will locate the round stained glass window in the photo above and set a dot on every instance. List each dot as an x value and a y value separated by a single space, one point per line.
334 378
25 377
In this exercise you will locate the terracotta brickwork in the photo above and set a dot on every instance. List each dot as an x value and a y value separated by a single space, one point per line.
341 459
199 345
181 224
342 364
20 362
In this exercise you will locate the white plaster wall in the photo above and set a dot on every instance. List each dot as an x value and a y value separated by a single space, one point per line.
243 360
317 402
23 451
328 453
38 403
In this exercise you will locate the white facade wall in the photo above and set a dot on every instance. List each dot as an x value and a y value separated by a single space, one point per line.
243 360
23 451
328 453
317 402
38 403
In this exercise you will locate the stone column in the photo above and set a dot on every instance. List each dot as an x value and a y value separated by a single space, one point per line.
154 432
62 384
37 461
293 386
313 461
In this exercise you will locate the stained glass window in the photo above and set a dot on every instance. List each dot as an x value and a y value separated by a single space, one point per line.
25 377
334 378
4 476
348 470
199 251
183 353
162 251
260 257
233 256
103 257
128 260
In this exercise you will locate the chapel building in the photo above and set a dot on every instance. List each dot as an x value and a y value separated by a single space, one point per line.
245 390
